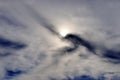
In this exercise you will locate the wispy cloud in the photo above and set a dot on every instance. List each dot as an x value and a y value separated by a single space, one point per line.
31 51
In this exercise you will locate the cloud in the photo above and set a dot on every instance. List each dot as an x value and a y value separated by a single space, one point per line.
39 53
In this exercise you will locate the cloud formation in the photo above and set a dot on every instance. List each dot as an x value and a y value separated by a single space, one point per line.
31 49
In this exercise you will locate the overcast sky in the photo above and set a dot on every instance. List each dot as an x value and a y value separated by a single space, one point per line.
35 50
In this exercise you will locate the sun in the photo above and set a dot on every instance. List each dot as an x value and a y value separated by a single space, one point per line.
64 28
63 32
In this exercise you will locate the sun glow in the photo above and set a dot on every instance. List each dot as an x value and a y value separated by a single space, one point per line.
64 32
64 28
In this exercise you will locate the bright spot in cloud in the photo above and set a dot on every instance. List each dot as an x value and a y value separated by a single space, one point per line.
64 28
64 32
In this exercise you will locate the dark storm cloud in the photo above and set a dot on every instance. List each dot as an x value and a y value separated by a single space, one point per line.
83 77
112 54
12 73
6 43
77 41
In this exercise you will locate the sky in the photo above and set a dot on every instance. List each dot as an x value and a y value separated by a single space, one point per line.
59 40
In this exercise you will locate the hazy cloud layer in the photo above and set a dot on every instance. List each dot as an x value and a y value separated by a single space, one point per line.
32 46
